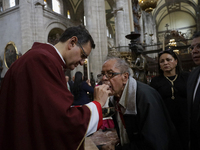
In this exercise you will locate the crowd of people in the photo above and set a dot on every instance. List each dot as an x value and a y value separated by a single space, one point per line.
40 108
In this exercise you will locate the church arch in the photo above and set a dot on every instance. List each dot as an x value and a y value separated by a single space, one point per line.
54 35
57 26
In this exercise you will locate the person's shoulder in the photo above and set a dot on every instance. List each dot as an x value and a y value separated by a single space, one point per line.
197 69
143 88
84 84
184 74
39 46
40 49
194 72
70 82
146 92
156 80
157 77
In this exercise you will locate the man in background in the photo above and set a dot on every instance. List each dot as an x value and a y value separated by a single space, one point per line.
67 81
193 94
71 83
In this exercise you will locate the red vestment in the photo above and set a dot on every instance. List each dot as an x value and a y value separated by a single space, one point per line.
35 105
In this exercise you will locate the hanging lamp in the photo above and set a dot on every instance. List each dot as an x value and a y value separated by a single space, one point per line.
148 5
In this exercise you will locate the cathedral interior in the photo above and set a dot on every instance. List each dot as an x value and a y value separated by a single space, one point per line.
134 30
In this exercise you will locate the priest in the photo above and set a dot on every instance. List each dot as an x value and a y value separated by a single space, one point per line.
36 111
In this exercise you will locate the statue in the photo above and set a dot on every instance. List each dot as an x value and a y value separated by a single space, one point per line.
139 65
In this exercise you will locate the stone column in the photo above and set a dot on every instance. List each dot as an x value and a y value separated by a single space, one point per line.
96 24
6 4
26 28
142 36
122 24
198 16
31 16
37 21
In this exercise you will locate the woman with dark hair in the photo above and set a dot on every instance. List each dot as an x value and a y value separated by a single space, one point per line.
81 89
171 84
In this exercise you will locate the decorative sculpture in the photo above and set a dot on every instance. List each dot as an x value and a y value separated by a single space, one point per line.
139 63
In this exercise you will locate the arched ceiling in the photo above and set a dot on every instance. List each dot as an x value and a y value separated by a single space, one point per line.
169 7
109 5
162 13
75 4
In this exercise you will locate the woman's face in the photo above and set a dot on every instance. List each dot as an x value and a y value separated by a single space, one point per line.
167 63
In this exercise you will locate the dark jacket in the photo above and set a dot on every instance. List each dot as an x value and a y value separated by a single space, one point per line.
151 128
194 116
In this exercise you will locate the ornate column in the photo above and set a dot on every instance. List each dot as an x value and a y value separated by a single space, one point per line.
94 11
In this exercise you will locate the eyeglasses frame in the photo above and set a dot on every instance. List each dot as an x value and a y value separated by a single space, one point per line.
113 75
84 53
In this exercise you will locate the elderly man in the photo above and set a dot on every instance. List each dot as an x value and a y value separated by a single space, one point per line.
141 119
193 94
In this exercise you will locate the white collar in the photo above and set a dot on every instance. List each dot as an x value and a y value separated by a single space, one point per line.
58 52
128 98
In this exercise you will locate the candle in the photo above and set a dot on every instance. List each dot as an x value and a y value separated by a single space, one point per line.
163 41
131 15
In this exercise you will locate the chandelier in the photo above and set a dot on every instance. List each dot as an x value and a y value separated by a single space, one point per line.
172 42
147 5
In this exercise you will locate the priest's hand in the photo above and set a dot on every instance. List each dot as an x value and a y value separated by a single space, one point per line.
101 94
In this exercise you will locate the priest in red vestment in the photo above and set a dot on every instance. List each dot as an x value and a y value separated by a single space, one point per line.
35 104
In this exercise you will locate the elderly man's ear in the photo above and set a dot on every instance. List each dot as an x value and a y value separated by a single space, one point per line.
125 77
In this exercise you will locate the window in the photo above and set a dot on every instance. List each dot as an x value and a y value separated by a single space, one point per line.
84 20
107 32
56 6
12 3
68 14
45 3
1 7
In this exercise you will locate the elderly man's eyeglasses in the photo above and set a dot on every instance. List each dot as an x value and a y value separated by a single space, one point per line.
108 75
83 54
191 48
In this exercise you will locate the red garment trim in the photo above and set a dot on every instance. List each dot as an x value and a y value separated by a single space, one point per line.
98 105
77 106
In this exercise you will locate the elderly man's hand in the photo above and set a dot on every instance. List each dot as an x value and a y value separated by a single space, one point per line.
109 146
101 94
